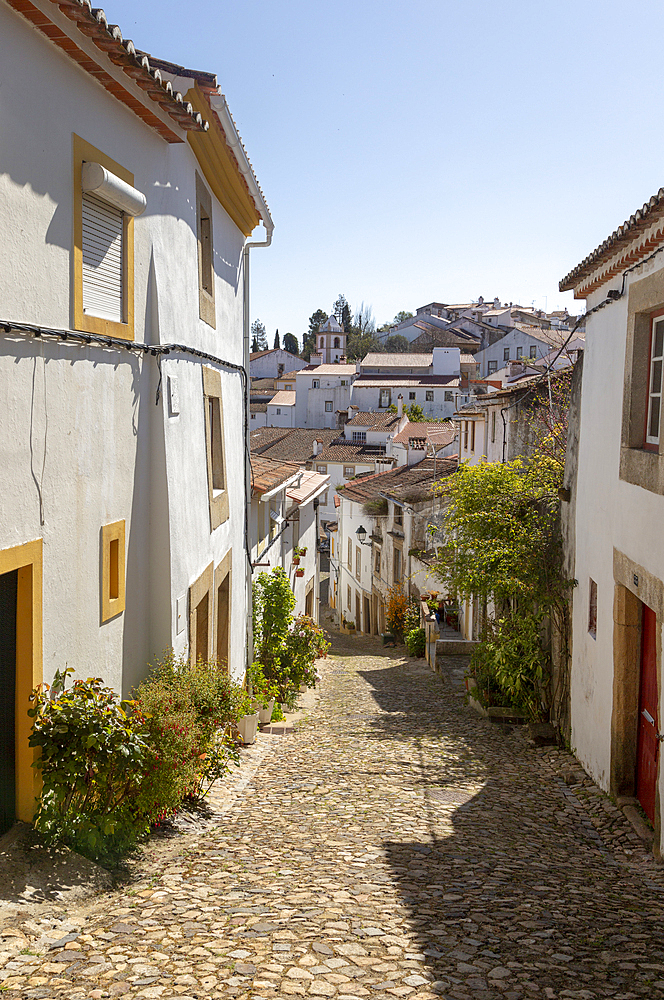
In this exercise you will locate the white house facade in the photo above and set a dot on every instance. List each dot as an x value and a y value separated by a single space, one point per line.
126 210
618 606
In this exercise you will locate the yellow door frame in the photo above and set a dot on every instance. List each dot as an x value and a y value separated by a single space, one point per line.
27 559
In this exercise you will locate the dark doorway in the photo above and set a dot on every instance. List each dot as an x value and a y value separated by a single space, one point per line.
8 594
647 744
202 629
367 616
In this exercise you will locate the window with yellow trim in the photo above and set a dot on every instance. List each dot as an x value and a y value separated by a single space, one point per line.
215 448
105 203
113 570
206 304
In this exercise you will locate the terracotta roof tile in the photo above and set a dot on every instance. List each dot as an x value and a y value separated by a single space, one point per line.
289 443
408 483
384 420
266 474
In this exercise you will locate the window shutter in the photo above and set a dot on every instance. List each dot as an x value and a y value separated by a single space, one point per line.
103 237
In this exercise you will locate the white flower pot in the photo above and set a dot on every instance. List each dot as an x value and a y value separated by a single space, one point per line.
265 714
248 725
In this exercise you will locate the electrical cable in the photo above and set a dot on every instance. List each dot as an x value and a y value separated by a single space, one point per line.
153 350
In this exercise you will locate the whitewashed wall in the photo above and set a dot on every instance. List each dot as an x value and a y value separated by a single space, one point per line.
110 452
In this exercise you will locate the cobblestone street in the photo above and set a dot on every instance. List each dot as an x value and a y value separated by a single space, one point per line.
396 845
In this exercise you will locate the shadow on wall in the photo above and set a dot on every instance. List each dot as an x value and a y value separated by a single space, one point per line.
147 616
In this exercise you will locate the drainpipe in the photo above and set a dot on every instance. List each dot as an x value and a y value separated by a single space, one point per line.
221 109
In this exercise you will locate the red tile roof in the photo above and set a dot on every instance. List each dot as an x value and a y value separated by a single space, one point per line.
408 483
266 474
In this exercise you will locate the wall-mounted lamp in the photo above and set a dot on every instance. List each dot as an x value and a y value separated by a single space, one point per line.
361 535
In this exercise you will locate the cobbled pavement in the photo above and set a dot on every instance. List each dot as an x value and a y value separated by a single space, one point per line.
395 845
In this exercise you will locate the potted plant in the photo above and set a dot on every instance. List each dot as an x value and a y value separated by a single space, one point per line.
264 692
247 722
299 572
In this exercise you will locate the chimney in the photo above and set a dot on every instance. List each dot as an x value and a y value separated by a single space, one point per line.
318 447
316 359
399 405
516 368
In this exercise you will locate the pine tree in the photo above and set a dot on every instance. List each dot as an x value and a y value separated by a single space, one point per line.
277 345
259 334
290 343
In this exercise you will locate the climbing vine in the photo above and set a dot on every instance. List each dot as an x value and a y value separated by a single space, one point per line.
504 549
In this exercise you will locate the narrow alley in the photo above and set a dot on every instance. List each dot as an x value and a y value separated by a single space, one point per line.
396 845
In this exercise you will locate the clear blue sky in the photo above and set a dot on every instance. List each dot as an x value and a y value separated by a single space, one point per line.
427 150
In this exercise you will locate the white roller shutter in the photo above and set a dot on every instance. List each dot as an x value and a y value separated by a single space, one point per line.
103 238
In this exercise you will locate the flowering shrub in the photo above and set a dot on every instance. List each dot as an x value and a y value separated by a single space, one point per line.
94 756
403 615
263 690
111 768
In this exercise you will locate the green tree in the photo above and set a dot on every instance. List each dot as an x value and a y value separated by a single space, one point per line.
397 344
401 317
259 334
290 343
276 344
339 307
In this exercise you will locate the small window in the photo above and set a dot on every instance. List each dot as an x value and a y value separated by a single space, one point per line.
328 406
493 426
398 515
385 398
533 352
492 366
349 471
411 395
206 307
113 570
592 609
350 561
344 381
449 397
336 342
322 342
321 468
465 435
396 576
429 396
359 436
519 353
215 447
323 498
315 383
655 382
377 562
358 562
349 600
472 435
253 416
278 411
506 354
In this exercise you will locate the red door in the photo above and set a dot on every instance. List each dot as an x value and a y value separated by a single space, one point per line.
647 744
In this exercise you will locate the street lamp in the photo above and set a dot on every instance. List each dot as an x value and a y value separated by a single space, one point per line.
361 535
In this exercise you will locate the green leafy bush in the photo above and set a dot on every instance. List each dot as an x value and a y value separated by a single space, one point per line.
94 756
415 641
111 768
263 690
510 665
285 648
184 708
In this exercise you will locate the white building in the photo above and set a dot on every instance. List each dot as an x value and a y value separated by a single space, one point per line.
382 539
284 526
274 363
615 507
529 343
323 392
432 381
126 210
281 410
